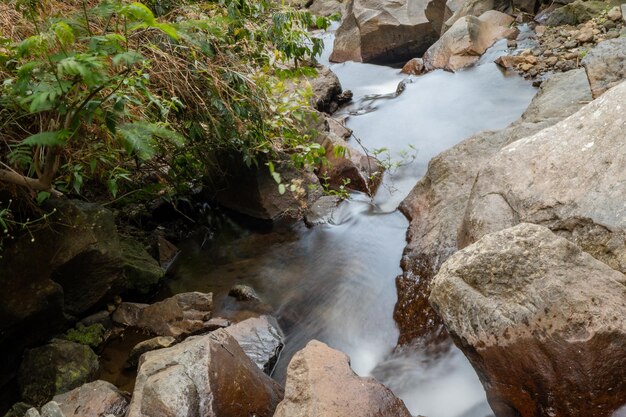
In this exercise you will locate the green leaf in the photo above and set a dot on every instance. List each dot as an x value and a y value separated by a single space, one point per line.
46 139
276 177
128 58
281 189
169 30
42 196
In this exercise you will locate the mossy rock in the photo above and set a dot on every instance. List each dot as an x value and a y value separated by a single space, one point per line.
18 410
142 271
576 13
55 368
86 335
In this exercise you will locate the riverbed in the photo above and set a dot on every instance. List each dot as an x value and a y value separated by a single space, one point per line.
336 282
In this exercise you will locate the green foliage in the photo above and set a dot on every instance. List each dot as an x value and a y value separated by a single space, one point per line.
108 94
86 335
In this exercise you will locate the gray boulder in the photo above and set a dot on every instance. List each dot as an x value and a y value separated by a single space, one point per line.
202 376
436 205
606 65
261 339
542 322
383 31
569 177
55 368
320 383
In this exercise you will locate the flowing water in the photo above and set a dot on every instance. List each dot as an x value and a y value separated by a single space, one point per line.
335 282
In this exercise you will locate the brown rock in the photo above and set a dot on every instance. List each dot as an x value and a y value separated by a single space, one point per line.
469 37
606 65
261 339
202 376
320 383
585 35
509 61
95 399
615 14
414 67
177 316
159 342
436 205
383 31
542 322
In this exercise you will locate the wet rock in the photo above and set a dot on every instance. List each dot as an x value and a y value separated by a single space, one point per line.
32 412
321 212
202 376
436 205
102 318
178 316
159 342
320 383
348 167
253 191
383 31
566 177
326 90
541 321
413 67
55 368
95 399
166 251
606 65
242 292
261 339
18 410
51 409
464 43
575 13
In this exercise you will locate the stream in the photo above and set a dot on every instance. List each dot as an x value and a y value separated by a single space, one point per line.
336 282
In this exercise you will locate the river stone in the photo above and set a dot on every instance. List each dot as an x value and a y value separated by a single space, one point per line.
18 410
261 339
178 316
382 31
575 13
542 322
242 292
202 376
322 211
159 342
467 40
51 409
327 7
55 368
606 65
95 399
326 90
569 177
436 205
320 383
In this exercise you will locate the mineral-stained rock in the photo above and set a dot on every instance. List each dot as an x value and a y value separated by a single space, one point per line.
569 177
383 31
95 399
320 383
55 368
575 13
542 322
606 65
436 205
203 376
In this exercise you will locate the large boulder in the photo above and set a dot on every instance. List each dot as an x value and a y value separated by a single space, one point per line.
178 316
261 339
95 399
203 376
467 40
542 322
575 13
436 205
327 7
383 31
55 368
569 177
320 383
606 65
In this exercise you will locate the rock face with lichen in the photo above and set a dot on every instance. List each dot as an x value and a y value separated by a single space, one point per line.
542 322
436 205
